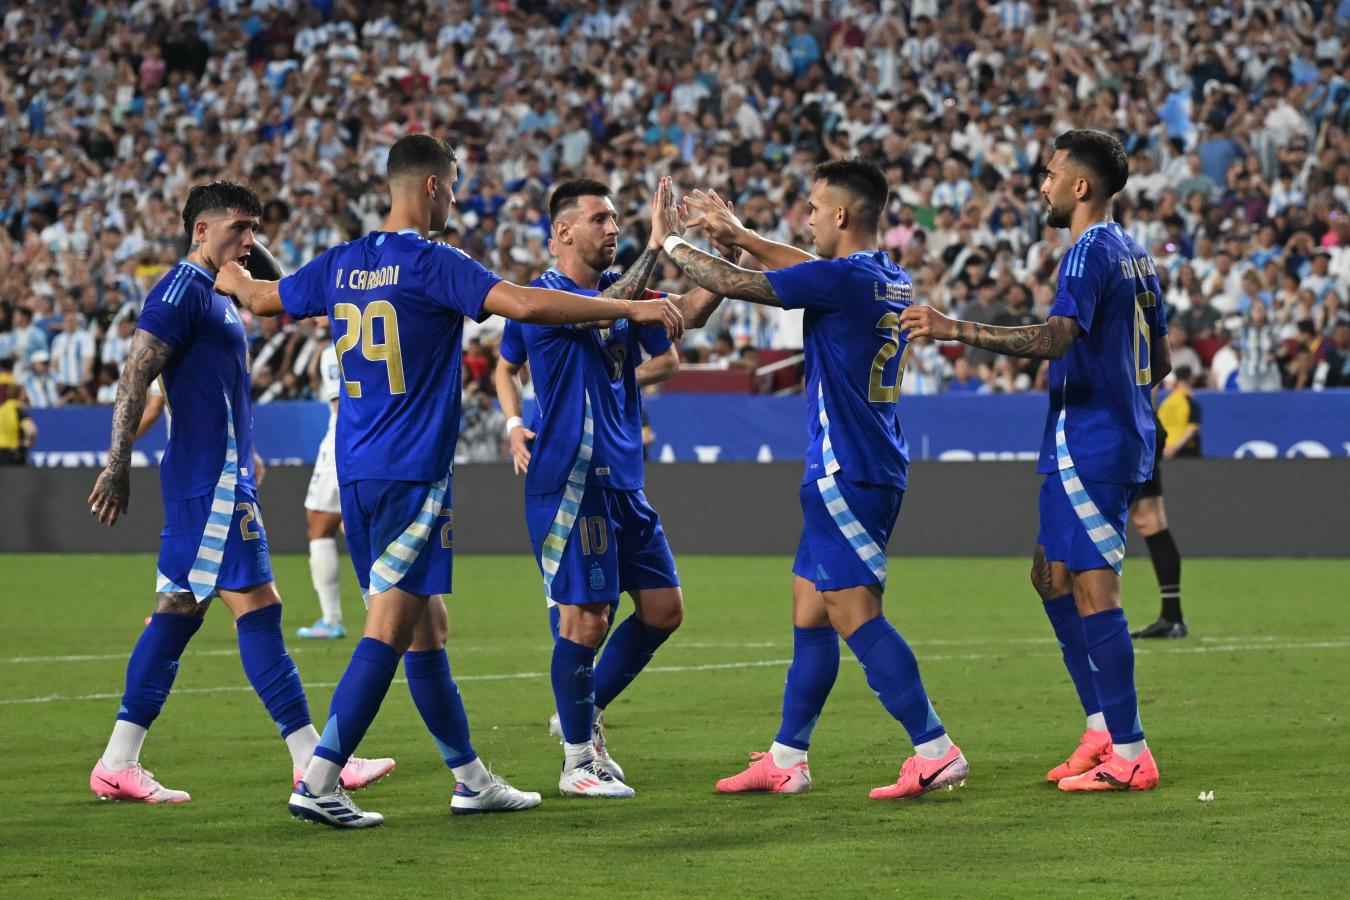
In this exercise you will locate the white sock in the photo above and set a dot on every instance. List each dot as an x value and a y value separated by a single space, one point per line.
473 774
937 748
1096 722
301 742
785 757
1131 751
124 747
323 570
321 776
576 754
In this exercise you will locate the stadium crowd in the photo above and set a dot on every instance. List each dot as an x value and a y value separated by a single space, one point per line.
1236 116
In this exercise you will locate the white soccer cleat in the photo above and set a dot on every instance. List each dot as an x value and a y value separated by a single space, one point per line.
592 780
335 809
602 757
496 797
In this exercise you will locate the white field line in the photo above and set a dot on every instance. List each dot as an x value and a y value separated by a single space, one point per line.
706 667
300 646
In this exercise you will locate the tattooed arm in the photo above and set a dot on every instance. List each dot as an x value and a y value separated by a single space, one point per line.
717 276
1048 341
145 361
633 284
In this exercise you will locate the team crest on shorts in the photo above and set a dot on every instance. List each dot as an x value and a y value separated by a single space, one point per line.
597 577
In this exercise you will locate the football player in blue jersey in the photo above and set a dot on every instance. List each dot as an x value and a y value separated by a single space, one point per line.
213 543
856 463
397 302
1105 339
594 533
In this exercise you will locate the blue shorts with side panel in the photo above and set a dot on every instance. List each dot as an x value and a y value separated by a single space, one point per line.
612 543
400 535
213 542
845 528
1083 522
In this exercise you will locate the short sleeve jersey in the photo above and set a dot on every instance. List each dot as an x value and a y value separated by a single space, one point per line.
1102 388
397 304
577 369
854 348
206 383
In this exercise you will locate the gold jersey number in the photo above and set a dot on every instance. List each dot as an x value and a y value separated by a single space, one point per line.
379 342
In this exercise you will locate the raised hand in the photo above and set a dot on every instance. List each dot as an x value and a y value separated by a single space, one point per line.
715 216
665 214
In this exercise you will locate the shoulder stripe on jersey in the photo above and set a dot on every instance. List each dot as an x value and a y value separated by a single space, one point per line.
170 295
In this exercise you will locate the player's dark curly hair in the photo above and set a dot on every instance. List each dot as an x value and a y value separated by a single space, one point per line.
863 181
420 155
1101 153
218 196
568 193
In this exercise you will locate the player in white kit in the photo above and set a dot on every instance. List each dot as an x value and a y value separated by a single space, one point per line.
323 513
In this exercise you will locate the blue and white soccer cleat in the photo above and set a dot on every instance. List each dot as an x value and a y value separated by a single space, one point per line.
322 630
590 779
335 809
602 757
496 797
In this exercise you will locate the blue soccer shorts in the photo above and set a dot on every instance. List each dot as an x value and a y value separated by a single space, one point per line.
845 528
400 535
213 542
592 548
1083 522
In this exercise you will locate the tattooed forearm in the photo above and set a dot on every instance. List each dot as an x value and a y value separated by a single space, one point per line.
634 282
1030 341
721 277
145 361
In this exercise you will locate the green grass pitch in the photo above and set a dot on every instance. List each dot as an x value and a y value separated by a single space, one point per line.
1249 707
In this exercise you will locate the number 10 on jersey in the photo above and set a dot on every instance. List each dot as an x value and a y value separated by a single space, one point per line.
376 330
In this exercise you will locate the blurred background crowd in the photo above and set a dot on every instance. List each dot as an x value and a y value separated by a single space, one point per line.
1236 116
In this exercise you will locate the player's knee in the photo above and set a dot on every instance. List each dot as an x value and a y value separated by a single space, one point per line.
667 617
181 603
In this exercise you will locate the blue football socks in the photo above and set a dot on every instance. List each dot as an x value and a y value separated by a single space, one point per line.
1111 653
437 698
893 674
573 673
270 670
815 665
153 666
356 700
629 648
1068 625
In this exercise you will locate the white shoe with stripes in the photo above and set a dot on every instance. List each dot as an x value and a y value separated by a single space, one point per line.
592 780
335 809
602 757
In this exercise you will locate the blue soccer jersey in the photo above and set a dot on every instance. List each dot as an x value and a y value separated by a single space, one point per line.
206 384
397 304
853 348
585 381
1100 420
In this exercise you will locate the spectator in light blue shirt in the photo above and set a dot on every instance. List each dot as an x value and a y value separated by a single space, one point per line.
802 47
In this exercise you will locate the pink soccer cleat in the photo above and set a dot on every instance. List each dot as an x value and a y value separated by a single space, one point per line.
358 773
764 775
1093 747
132 784
919 776
1116 773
